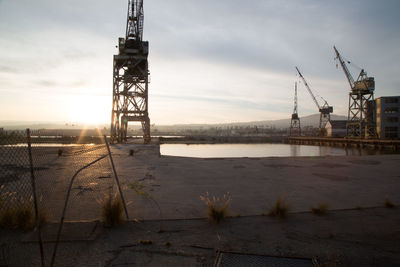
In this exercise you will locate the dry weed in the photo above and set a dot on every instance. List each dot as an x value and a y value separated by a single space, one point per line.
217 208
280 209
389 204
320 210
111 210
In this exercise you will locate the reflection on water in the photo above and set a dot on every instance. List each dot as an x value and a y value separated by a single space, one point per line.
46 145
259 150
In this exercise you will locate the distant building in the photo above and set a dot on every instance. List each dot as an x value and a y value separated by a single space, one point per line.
388 117
336 128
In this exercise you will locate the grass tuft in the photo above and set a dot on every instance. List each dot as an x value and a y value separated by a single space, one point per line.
18 213
389 204
18 217
280 209
111 210
320 210
217 208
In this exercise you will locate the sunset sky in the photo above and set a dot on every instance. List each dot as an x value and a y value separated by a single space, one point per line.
210 61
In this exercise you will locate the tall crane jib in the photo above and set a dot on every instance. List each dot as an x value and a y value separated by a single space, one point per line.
325 110
131 77
360 121
295 128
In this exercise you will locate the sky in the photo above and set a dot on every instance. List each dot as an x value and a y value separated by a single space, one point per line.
210 61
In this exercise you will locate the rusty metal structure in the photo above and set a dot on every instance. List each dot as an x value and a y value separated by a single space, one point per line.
295 129
325 110
360 122
131 78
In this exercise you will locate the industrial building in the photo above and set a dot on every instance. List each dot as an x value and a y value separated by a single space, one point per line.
336 128
387 117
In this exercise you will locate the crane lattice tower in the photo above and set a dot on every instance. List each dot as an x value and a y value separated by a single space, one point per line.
360 119
295 129
131 78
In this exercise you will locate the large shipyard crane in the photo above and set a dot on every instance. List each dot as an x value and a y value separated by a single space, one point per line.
295 129
131 77
325 110
360 122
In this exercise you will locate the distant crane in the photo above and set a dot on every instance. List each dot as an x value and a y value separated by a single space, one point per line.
360 120
131 77
324 110
295 129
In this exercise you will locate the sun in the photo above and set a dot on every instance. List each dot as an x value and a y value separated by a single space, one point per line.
89 110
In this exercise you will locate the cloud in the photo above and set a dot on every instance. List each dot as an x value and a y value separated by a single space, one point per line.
235 56
54 83
7 69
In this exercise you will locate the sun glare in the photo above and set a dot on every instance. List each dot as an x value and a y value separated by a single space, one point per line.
88 110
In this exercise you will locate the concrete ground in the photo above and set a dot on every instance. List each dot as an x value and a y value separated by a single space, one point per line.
367 237
356 231
254 184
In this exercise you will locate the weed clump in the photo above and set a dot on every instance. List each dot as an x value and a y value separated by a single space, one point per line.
217 208
17 217
111 210
389 204
18 212
146 242
280 209
320 210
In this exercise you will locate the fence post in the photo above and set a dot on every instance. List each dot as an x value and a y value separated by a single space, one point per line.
116 177
37 217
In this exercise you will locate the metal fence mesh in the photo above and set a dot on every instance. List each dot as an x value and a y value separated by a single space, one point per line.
15 179
68 182
58 166
54 166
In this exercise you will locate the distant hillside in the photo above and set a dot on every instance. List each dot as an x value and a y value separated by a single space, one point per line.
311 120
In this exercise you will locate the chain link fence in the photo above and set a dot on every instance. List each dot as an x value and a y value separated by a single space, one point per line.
67 182
54 165
55 168
16 195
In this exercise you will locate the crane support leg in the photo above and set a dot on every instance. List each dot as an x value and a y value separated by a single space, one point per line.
360 123
130 96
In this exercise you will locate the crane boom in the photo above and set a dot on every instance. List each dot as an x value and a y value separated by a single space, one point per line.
324 110
295 99
295 129
363 82
134 21
344 67
309 90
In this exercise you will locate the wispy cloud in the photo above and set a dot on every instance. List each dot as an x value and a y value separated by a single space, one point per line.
237 57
